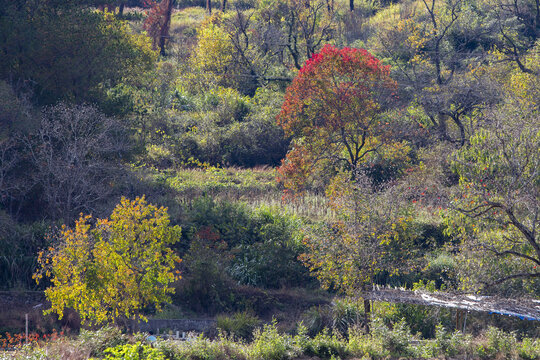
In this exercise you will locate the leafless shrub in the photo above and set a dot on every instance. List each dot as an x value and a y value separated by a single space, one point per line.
71 153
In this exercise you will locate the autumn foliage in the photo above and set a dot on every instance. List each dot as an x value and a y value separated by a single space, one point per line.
331 110
115 268
158 22
10 341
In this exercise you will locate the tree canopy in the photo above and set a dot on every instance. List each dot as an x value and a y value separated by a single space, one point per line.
497 208
332 110
69 52
109 269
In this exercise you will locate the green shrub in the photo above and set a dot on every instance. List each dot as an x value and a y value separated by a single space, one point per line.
232 106
27 352
218 126
326 345
19 244
241 324
361 345
346 313
397 340
504 342
159 156
118 54
169 349
450 344
384 342
339 316
269 344
98 341
420 319
497 343
529 349
301 339
271 261
220 221
205 286
317 318
135 351
223 348
263 244
183 100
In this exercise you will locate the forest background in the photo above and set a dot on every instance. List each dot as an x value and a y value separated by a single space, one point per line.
289 158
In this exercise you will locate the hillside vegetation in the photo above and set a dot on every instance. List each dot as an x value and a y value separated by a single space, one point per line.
263 150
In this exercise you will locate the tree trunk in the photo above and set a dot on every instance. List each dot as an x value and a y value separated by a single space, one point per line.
137 319
459 124
223 5
443 135
121 9
209 6
351 5
164 33
537 22
367 314
330 6
460 319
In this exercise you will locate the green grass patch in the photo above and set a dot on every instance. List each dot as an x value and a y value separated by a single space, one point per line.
188 17
256 187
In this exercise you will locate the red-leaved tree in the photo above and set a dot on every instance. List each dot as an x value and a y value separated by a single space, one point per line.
158 22
331 110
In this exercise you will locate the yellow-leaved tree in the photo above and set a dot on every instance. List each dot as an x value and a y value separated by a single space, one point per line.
110 269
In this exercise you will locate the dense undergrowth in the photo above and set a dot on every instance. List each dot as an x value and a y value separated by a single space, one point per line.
268 211
269 344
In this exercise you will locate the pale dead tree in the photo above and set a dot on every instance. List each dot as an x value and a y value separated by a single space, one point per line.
295 30
9 160
72 155
291 33
261 43
248 64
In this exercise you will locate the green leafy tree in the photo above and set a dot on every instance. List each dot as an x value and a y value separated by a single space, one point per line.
518 29
373 236
212 57
67 52
496 211
435 51
115 268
